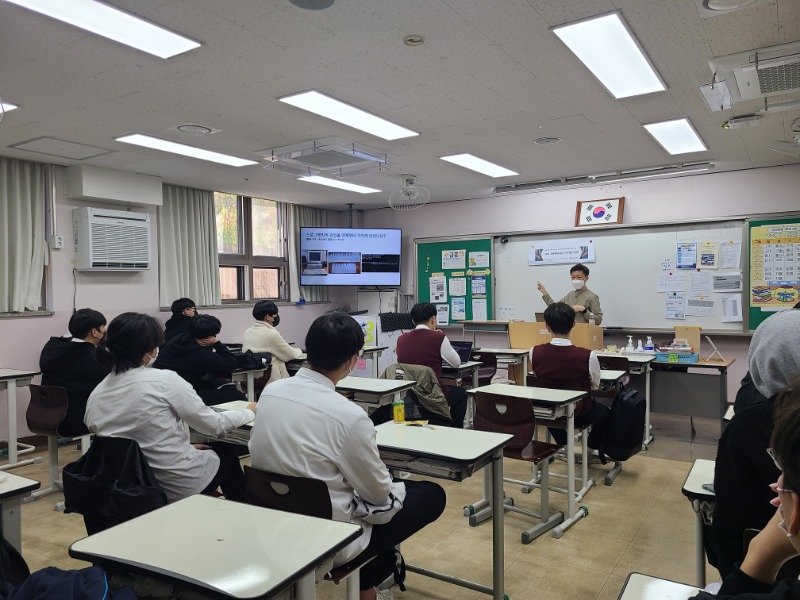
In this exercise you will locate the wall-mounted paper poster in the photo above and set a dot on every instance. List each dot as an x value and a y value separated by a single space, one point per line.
730 255
479 285
675 305
732 309
774 265
671 282
454 259
458 309
709 255
442 314
599 212
438 286
686 255
458 286
727 282
699 307
478 260
479 309
561 252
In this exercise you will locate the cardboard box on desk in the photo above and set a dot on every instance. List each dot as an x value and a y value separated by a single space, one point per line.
526 334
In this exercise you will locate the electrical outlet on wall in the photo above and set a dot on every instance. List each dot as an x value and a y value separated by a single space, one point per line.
56 241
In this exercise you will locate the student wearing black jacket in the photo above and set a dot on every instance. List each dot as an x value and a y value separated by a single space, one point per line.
779 540
70 362
183 311
199 357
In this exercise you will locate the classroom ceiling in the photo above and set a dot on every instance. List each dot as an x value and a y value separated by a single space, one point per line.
489 79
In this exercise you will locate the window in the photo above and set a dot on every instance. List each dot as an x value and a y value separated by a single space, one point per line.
251 241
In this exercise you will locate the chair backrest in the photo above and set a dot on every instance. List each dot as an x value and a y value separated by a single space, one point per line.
614 363
288 493
488 366
503 414
47 408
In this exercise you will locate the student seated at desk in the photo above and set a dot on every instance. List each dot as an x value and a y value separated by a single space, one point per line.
304 428
263 336
560 361
152 407
779 539
428 346
183 311
200 358
743 471
70 362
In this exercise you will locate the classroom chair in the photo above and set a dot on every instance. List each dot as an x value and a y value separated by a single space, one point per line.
301 495
46 410
505 414
488 367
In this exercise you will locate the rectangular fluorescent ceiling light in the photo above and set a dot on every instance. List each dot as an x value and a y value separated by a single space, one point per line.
336 110
607 47
342 185
473 163
113 24
137 139
7 106
676 137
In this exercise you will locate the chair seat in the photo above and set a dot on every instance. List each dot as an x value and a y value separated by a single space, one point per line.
534 452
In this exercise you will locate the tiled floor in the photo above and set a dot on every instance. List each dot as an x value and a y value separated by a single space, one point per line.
641 523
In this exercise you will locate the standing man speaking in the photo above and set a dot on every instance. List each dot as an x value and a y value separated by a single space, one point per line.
584 301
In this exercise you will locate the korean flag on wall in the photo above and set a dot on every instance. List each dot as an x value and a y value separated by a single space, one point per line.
601 212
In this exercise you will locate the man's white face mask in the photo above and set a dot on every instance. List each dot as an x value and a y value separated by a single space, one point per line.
578 283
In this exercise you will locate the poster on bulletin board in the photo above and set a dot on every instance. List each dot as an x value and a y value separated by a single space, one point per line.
774 267
456 276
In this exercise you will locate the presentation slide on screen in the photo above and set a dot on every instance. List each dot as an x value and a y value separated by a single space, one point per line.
349 256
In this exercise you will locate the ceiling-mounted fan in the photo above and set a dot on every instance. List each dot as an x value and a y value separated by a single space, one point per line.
410 196
791 148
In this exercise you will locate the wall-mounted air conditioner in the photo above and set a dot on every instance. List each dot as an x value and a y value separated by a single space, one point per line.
111 240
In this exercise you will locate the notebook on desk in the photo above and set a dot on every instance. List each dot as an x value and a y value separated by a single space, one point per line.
464 350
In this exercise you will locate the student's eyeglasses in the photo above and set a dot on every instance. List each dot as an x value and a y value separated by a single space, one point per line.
780 468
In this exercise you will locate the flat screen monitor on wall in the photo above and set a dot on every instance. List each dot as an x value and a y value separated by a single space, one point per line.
342 256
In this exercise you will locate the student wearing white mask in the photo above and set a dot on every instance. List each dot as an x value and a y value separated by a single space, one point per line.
583 301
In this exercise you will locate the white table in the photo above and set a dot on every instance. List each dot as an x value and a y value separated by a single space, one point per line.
641 364
465 367
645 587
221 548
702 500
240 435
373 353
372 393
10 380
611 376
511 356
248 375
550 405
13 489
454 454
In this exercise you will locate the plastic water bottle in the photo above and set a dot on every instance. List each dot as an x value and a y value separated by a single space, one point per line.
648 345
399 410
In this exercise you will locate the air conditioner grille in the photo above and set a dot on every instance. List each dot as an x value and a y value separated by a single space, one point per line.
779 78
327 159
115 245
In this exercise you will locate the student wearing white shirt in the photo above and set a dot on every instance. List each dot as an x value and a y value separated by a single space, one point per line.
153 408
305 428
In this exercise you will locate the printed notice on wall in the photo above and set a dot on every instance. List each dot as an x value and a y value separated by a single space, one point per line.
730 255
686 255
700 307
458 286
478 260
731 309
700 282
728 282
774 265
479 309
675 305
671 282
438 286
454 259
559 252
458 308
709 255
479 285
442 314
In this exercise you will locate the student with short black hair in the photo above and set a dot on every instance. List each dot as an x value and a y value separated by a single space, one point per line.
304 428
560 361
263 336
427 345
202 360
583 301
183 311
153 407
70 362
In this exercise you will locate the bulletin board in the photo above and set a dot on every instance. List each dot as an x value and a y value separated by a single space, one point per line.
626 266
774 267
457 274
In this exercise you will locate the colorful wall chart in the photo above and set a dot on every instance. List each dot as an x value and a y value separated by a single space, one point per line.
774 267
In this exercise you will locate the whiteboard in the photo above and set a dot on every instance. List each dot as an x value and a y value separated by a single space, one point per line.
628 263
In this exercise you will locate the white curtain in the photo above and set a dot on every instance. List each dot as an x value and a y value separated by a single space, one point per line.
23 246
303 216
188 263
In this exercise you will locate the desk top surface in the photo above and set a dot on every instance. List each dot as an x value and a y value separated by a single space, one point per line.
465 445
231 548
234 405
633 358
645 587
257 371
374 386
465 366
702 471
367 349
609 375
504 351
536 395
6 374
13 485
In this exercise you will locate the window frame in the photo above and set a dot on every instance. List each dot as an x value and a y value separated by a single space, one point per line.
245 261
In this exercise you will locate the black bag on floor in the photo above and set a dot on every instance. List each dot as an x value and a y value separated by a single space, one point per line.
625 430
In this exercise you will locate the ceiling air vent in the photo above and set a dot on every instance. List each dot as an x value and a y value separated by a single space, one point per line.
760 73
324 156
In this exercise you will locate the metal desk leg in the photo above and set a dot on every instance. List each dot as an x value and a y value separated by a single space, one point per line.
573 515
306 587
648 434
723 397
10 524
251 387
525 370
15 448
700 556
375 366
498 550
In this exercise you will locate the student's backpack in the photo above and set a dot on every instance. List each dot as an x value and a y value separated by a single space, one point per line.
625 430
